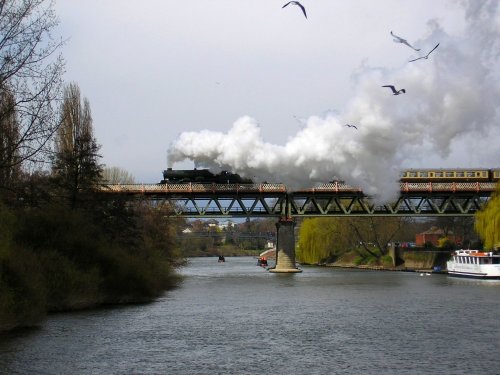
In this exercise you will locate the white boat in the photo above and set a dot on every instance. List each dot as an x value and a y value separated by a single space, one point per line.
475 264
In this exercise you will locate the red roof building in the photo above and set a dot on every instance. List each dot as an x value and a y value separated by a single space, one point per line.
433 235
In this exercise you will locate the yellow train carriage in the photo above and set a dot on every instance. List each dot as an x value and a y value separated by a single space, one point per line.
416 175
495 175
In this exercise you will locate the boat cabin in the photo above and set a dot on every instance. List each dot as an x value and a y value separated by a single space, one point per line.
475 257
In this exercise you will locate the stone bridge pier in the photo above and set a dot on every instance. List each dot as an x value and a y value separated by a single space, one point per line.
285 247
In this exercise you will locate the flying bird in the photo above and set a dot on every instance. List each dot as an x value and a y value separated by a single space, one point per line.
394 91
426 56
351 126
298 4
398 39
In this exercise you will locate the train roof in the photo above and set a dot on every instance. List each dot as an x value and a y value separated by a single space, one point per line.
448 169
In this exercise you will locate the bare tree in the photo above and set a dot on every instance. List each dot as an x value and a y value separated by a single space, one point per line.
76 160
377 233
30 78
116 175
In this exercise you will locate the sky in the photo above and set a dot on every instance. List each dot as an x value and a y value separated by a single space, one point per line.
260 90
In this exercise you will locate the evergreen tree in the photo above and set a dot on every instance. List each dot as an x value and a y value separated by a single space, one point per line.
75 166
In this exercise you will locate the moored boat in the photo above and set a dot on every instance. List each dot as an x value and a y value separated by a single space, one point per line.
474 264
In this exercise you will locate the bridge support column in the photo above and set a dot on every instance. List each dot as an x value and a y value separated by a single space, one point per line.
285 247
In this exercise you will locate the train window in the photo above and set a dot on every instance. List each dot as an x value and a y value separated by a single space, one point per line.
424 174
413 174
403 174
459 174
469 174
438 174
449 174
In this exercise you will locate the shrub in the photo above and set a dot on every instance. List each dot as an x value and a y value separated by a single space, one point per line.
22 290
358 260
386 261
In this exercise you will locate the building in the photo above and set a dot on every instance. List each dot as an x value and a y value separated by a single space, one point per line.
433 235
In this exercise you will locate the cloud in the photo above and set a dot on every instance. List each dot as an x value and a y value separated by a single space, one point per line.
449 98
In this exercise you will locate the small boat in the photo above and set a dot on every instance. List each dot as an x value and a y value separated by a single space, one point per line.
262 261
474 264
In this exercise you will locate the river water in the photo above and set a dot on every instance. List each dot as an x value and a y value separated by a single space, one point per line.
237 318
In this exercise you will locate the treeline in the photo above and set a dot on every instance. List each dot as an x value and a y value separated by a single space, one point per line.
366 240
326 240
63 245
53 258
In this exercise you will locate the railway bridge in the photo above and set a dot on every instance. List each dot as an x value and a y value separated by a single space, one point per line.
332 199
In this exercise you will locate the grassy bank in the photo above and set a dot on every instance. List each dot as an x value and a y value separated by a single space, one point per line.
411 261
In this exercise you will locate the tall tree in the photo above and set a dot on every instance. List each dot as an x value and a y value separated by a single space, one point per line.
323 239
76 160
30 77
488 221
9 138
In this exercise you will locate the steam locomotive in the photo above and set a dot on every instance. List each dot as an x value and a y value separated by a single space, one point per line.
201 176
450 175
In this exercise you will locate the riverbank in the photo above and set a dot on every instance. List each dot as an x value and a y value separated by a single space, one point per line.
55 257
382 268
426 261
35 314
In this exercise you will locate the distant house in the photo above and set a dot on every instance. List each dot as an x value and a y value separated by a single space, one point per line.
212 224
226 225
433 235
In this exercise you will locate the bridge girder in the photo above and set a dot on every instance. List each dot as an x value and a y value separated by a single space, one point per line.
272 200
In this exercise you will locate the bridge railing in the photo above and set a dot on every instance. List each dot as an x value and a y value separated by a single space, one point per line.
194 188
447 186
405 187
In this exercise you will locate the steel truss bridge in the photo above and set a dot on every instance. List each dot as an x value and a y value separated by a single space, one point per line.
332 199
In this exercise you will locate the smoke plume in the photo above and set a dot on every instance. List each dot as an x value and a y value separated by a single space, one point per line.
450 98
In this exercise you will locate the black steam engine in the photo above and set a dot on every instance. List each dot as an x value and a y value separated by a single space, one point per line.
201 176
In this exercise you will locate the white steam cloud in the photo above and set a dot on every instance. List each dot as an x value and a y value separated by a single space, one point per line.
451 97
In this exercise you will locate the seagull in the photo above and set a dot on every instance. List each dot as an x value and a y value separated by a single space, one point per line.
351 126
394 91
426 56
297 3
398 39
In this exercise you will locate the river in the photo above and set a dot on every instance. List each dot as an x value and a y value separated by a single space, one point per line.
237 318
